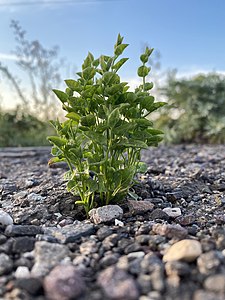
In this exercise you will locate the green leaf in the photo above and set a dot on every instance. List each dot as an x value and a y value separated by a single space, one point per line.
142 167
88 120
119 64
88 73
143 71
73 85
74 116
144 58
63 97
54 160
147 102
110 78
156 105
148 86
119 40
59 142
120 48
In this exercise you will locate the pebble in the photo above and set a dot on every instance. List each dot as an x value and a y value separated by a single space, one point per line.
186 250
139 207
5 218
209 262
215 283
22 230
6 264
64 282
35 197
22 272
172 212
170 231
118 284
105 214
47 255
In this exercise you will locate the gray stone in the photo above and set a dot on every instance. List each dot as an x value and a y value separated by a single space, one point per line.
177 268
206 295
5 218
21 230
35 197
103 232
23 244
139 207
118 284
32 285
208 263
215 283
64 282
159 214
70 233
6 264
47 256
105 214
170 231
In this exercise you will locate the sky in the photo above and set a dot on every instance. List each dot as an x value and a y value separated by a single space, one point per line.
190 35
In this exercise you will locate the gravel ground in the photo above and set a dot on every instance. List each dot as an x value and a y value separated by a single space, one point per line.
168 244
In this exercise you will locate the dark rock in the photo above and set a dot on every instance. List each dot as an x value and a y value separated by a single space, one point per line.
70 233
23 244
21 230
32 285
159 214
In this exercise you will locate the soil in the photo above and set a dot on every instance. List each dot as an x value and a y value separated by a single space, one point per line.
186 184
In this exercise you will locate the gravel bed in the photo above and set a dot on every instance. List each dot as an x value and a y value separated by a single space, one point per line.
168 244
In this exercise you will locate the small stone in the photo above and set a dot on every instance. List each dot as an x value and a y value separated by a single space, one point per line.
177 268
22 272
170 231
139 207
70 233
6 264
208 262
133 255
206 295
64 282
31 284
159 214
103 232
23 244
119 223
108 260
118 284
186 250
88 247
21 230
215 283
106 213
48 255
35 197
5 218
172 212
186 220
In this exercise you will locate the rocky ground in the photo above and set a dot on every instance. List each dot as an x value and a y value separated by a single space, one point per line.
168 244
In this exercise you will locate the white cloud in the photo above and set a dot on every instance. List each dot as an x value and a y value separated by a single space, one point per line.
5 56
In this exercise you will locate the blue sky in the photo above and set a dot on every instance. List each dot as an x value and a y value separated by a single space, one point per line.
190 35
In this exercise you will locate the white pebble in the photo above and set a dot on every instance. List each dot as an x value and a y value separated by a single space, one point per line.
172 211
119 223
22 272
5 218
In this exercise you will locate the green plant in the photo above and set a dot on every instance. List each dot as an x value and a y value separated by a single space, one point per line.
18 128
105 130
197 109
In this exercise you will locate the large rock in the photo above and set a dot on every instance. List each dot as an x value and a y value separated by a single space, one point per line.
170 231
186 250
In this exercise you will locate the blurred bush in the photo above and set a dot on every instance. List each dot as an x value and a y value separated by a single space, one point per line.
18 128
196 109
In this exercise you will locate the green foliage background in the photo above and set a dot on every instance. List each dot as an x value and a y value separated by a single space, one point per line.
196 109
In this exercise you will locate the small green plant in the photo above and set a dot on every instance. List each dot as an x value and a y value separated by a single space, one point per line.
106 129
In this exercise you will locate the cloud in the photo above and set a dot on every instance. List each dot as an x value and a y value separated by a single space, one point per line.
5 56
